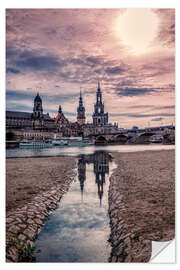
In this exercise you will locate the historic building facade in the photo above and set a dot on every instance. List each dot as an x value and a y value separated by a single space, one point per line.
81 112
62 124
37 125
100 123
99 117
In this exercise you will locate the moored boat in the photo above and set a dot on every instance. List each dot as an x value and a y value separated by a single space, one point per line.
34 144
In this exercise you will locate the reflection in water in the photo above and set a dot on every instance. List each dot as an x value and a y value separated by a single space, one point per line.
82 173
79 229
100 160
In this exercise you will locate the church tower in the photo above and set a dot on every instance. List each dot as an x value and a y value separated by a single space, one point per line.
99 117
81 111
38 109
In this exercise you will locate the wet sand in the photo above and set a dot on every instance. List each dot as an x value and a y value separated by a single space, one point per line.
141 203
34 186
28 177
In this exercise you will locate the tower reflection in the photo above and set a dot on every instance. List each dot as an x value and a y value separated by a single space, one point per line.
81 173
100 161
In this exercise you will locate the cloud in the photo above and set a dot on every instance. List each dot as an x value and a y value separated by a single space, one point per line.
12 70
140 115
166 33
57 51
157 119
20 100
33 61
134 91
152 107
114 70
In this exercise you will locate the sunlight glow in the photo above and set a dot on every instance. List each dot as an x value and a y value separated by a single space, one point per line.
136 29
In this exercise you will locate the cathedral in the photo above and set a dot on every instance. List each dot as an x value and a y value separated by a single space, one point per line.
99 123
81 112
37 125
99 117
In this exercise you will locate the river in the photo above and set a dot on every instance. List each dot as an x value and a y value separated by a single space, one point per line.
75 151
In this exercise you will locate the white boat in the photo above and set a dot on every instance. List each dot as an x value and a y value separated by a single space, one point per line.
80 143
156 139
34 144
59 143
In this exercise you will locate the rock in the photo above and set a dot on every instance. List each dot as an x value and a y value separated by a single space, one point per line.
9 220
14 229
13 254
38 221
30 234
114 259
22 237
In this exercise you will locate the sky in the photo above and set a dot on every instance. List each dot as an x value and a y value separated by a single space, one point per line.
57 52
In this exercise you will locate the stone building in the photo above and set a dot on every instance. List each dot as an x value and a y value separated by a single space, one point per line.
62 124
81 112
35 125
99 117
100 123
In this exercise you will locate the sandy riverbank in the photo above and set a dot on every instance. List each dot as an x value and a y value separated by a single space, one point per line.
33 188
141 203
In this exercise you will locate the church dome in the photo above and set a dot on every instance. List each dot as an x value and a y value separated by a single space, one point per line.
38 98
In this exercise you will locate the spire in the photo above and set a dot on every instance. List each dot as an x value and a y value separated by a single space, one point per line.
80 99
99 86
80 110
60 110
99 94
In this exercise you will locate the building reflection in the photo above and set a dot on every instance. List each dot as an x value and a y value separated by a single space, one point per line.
100 161
82 173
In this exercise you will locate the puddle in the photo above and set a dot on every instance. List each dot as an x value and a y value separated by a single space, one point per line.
79 229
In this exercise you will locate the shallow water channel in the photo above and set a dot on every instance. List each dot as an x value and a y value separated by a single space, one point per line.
78 230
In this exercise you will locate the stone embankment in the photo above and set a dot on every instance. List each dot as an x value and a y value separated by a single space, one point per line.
24 223
127 246
141 204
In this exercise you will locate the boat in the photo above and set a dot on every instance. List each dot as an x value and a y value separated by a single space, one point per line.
34 144
59 142
156 139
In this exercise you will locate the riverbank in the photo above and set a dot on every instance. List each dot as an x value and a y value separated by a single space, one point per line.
34 186
141 203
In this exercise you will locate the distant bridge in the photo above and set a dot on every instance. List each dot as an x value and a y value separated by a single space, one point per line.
122 138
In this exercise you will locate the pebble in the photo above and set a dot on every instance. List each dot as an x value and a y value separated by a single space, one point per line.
120 237
26 222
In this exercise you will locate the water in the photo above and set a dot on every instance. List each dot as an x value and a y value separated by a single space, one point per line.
79 229
74 151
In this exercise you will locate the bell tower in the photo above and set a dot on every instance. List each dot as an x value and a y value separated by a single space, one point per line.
37 109
99 117
81 111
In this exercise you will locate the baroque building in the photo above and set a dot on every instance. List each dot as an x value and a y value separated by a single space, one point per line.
38 125
35 125
38 109
62 123
99 117
100 123
81 112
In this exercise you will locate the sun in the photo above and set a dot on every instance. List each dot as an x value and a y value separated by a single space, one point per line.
136 29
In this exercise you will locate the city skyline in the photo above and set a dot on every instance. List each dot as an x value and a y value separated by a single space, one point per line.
58 51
